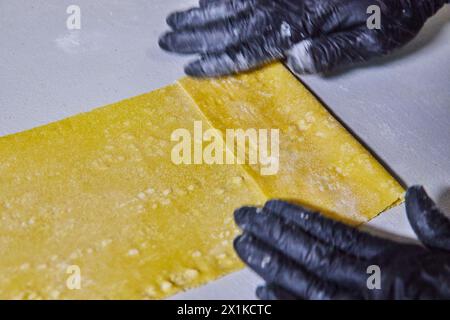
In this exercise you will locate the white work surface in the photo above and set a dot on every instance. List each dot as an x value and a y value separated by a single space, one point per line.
399 106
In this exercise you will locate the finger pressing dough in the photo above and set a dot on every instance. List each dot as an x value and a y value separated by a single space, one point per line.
93 207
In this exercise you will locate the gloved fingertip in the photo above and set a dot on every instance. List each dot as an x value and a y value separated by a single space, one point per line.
239 247
164 41
242 245
417 201
173 19
242 216
430 224
195 69
415 192
236 242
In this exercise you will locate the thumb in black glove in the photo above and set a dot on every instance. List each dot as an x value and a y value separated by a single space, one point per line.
303 255
312 35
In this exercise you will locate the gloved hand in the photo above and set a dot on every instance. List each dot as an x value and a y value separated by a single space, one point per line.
313 35
303 255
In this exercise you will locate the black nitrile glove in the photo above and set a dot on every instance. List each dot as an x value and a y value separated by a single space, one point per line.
303 255
312 35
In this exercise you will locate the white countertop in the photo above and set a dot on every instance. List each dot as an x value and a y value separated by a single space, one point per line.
399 106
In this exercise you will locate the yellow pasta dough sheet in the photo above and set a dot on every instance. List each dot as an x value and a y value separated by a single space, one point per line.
94 207
321 164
